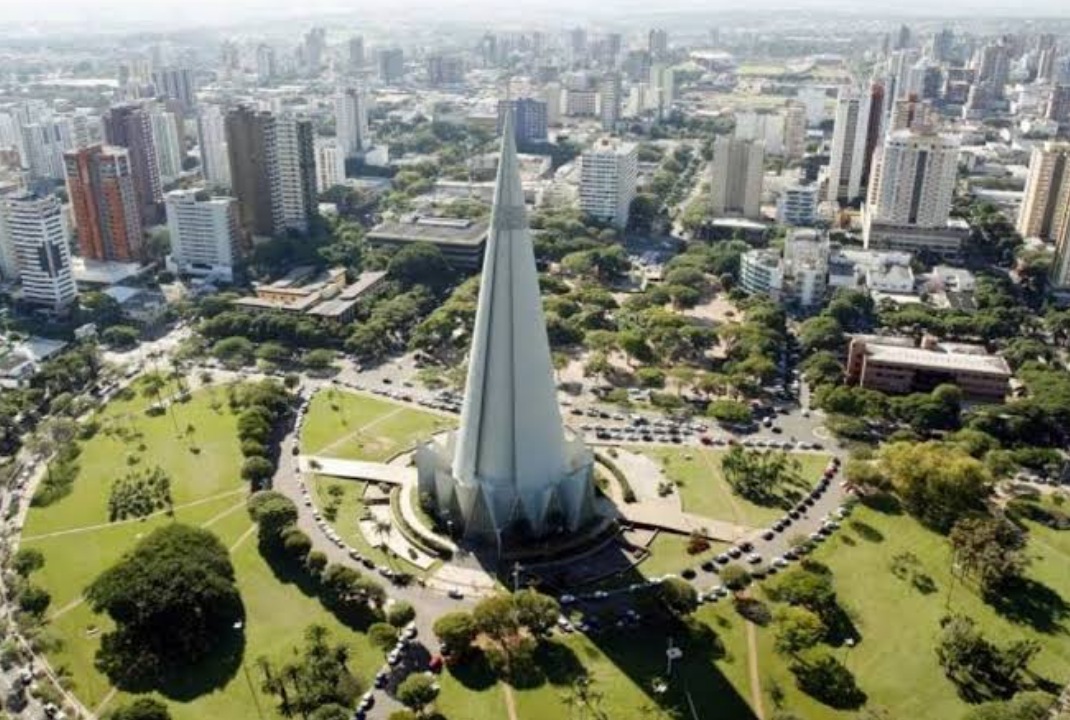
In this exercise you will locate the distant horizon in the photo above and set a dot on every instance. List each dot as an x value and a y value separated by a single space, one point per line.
23 17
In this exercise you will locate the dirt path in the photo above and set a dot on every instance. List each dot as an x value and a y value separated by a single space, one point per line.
752 668
510 701
101 526
363 428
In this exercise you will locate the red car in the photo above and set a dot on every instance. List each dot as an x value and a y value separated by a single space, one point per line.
435 664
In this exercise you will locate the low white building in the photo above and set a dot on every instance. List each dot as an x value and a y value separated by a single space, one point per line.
796 205
798 276
880 271
204 234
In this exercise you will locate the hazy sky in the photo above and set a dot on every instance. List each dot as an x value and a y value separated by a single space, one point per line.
99 14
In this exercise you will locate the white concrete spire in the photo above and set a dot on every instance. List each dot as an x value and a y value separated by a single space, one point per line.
511 464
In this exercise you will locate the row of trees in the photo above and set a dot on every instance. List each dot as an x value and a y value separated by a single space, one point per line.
316 682
262 407
343 590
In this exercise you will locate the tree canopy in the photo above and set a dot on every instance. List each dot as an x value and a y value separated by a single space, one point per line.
173 600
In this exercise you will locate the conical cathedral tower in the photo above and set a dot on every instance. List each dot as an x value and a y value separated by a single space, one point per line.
509 472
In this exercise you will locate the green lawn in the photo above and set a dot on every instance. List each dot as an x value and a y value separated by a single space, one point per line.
704 491
350 509
78 543
623 665
895 662
668 555
360 427
194 475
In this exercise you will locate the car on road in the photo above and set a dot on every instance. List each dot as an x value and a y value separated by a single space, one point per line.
780 562
455 594
754 558
567 599
735 553
367 701
768 535
722 559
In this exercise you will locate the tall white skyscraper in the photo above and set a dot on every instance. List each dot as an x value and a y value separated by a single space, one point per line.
914 179
736 181
36 228
663 87
212 139
351 121
168 145
330 165
848 147
204 233
608 172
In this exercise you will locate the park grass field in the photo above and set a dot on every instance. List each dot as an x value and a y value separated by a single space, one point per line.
704 490
895 662
78 543
361 427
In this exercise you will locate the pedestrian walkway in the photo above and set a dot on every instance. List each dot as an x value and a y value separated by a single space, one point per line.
357 469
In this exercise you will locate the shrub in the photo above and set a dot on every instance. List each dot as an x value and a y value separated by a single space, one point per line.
383 635
400 614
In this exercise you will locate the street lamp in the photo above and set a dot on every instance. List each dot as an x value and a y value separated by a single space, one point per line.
671 653
849 643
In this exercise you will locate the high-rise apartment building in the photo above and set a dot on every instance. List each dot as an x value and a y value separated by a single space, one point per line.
551 95
330 165
608 173
736 181
577 44
104 203
794 130
36 229
993 69
609 100
178 84
43 145
1057 108
663 85
658 43
253 168
212 141
314 49
848 147
130 126
445 70
875 127
914 179
581 103
1046 65
391 65
1047 192
911 113
351 121
169 148
266 64
205 238
356 53
529 119
295 153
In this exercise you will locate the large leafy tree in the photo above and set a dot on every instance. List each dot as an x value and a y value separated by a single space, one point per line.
173 600
938 483
991 550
